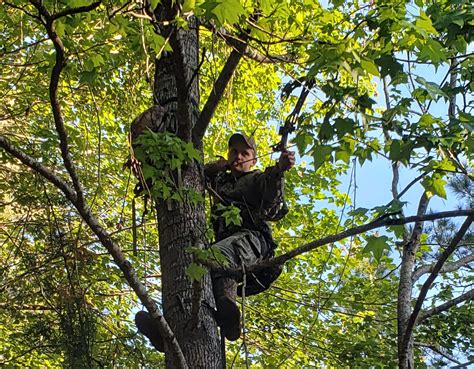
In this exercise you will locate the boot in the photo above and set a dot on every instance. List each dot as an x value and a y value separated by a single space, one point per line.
228 313
147 326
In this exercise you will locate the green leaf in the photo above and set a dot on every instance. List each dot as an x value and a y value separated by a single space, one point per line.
231 215
344 154
401 150
434 185
321 154
424 25
154 3
358 211
326 130
433 51
196 272
192 153
59 27
389 66
302 141
188 5
369 66
228 11
398 230
426 121
434 91
159 44
88 76
77 3
344 126
376 245
218 256
469 144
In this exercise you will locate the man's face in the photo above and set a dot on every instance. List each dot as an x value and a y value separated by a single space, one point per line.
241 158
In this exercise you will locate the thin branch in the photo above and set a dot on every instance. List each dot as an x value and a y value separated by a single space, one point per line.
117 10
250 52
80 9
409 185
427 285
383 222
32 44
22 9
438 351
449 267
443 307
218 90
463 365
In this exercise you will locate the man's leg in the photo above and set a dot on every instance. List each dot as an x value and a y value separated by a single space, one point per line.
244 247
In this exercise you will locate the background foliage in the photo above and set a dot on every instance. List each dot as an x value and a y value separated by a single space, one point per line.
62 300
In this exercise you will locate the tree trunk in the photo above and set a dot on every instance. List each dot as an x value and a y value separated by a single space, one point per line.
182 224
405 288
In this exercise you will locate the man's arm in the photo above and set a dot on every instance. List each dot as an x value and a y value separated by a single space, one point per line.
270 182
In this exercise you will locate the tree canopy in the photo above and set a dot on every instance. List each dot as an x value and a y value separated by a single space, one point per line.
387 81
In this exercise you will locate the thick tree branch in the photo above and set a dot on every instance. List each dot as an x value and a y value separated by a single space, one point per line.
449 267
384 222
427 285
182 86
53 96
113 249
443 307
47 173
418 226
218 90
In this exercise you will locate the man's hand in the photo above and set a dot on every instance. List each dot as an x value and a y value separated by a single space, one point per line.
286 161
222 164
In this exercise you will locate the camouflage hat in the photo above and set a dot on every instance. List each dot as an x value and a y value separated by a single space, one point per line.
240 137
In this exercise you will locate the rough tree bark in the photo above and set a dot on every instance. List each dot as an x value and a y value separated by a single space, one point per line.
182 224
405 288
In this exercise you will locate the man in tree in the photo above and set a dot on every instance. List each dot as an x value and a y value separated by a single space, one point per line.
244 241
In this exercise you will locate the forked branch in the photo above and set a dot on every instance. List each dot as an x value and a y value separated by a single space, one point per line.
429 281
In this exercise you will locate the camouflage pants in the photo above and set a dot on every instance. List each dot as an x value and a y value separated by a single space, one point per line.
243 247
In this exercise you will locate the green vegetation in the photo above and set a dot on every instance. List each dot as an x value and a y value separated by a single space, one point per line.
390 80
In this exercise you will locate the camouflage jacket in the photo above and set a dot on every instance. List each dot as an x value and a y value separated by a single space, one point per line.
258 195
